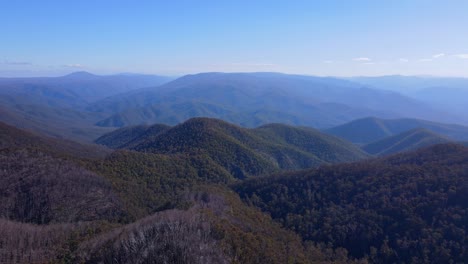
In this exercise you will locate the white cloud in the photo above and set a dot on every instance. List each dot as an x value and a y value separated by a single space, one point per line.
440 55
462 56
369 63
19 63
361 59
403 60
76 65
255 64
328 61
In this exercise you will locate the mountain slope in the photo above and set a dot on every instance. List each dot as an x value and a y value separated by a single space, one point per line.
408 207
42 189
56 106
74 89
14 138
129 136
238 97
244 152
371 129
413 139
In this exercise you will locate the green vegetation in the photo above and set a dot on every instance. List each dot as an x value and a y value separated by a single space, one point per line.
14 138
240 151
406 208
175 196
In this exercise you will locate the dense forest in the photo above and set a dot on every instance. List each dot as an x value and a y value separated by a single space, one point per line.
240 151
163 199
409 208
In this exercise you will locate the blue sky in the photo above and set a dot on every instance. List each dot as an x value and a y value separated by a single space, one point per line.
327 38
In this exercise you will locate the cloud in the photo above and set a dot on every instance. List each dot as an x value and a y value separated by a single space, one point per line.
462 56
440 55
328 61
403 60
253 64
76 65
369 63
361 59
19 63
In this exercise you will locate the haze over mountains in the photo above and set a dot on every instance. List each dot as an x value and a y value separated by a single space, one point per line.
450 93
228 168
367 130
83 106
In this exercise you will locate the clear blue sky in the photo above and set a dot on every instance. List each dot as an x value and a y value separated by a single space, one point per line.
337 38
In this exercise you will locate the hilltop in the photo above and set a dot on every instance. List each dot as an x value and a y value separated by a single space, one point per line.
241 151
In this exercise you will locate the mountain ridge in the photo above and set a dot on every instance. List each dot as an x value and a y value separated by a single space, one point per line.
370 129
405 141
266 148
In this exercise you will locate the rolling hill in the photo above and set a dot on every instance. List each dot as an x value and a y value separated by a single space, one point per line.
78 210
74 90
14 138
371 129
253 99
448 93
56 106
409 140
83 106
241 151
129 136
408 207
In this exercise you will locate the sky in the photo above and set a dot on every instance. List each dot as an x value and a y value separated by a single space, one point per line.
325 38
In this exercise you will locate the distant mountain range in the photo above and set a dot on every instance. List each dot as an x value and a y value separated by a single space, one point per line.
56 106
371 129
252 99
406 141
444 92
83 106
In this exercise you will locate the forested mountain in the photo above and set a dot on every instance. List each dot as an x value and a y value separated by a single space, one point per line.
81 106
59 202
128 137
253 99
406 208
240 151
56 106
409 140
56 206
192 190
14 138
371 129
38 188
448 93
73 90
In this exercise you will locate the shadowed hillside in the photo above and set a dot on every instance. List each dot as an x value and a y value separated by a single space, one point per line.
406 208
371 129
244 152
410 140
38 188
14 138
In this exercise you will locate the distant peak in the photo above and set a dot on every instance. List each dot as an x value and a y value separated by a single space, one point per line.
80 74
